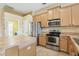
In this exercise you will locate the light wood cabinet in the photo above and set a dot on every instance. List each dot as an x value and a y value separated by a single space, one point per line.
67 45
44 20
72 48
50 14
28 50
66 16
13 51
75 15
42 40
54 13
63 43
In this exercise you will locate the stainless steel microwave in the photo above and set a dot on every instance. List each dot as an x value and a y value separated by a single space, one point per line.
54 22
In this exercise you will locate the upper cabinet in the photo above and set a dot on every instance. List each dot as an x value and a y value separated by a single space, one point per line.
36 18
50 14
66 16
75 14
70 15
54 13
44 20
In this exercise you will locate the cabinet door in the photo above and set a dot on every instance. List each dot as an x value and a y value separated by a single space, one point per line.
75 14
50 14
28 50
56 12
42 40
71 48
12 51
63 43
45 20
66 16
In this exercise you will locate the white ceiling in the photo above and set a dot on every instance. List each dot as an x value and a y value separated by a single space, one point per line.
26 7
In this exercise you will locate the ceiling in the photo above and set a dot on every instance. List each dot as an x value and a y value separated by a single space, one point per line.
26 7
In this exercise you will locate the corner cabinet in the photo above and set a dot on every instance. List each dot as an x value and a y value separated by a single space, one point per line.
43 18
75 15
65 16
72 48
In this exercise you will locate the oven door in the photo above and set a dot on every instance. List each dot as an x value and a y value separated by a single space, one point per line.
53 40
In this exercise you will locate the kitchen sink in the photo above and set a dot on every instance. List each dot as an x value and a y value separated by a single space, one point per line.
76 40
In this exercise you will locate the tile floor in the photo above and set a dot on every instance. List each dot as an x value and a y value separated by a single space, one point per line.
42 51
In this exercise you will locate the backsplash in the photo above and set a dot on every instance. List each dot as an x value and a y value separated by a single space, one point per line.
62 29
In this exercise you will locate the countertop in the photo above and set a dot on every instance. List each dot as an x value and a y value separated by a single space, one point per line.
21 41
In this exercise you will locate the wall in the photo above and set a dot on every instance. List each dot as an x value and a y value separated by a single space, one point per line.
1 23
62 29
27 24
13 18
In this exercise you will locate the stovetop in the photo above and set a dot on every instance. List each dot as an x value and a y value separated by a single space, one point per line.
54 34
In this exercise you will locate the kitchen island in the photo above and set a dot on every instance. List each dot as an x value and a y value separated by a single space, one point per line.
22 45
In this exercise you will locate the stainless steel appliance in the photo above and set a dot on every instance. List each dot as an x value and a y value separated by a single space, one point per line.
36 30
54 22
53 40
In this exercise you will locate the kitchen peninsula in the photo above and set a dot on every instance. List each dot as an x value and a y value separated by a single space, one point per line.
23 46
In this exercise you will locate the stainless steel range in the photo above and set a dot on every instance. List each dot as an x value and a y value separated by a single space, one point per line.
53 40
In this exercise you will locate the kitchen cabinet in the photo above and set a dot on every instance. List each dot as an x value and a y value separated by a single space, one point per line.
42 40
28 50
34 18
44 20
75 15
54 13
72 48
50 14
13 51
66 16
63 43
67 45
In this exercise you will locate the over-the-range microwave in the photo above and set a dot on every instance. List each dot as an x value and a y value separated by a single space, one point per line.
54 22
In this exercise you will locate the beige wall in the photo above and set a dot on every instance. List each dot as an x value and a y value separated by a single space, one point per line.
63 29
13 18
1 22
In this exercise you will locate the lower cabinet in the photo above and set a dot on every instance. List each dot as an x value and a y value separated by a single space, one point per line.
67 45
13 51
63 43
71 48
42 40
28 50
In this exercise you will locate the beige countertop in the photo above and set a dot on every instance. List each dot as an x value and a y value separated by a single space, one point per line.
22 41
